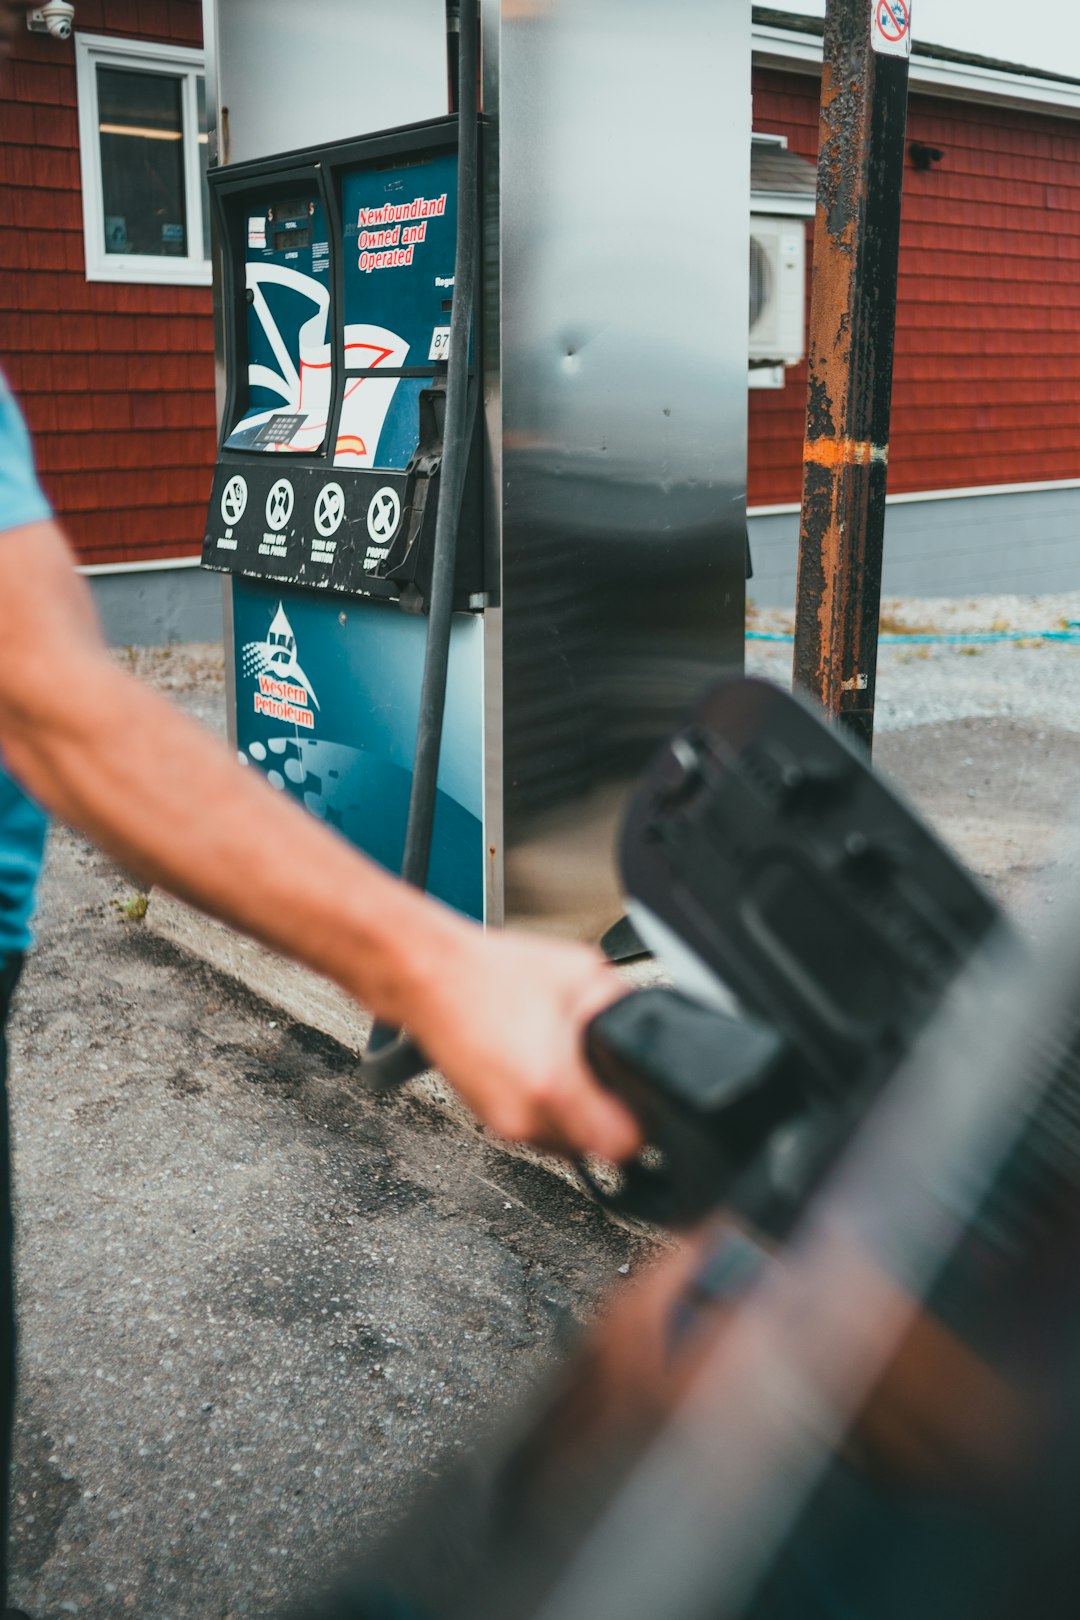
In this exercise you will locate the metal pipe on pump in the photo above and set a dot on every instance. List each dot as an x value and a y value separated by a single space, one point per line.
391 1058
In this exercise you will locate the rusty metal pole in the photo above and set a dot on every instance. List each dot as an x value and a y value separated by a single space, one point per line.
852 326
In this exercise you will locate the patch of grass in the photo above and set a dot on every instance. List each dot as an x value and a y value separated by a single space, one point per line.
890 625
908 655
133 909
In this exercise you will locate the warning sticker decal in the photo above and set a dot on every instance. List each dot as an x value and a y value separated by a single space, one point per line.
890 27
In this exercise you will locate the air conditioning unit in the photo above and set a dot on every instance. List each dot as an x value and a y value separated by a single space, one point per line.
777 291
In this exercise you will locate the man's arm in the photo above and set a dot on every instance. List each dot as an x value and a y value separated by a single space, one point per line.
501 1016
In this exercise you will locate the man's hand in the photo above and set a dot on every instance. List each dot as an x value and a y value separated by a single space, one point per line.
504 1022
501 1015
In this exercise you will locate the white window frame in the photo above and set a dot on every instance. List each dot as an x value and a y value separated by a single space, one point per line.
100 50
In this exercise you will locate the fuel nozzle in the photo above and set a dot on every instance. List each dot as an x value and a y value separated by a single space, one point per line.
713 1093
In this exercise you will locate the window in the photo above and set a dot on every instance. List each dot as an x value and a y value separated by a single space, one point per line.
142 134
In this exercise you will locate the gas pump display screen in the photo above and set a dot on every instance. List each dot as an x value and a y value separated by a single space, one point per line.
287 241
400 227
285 405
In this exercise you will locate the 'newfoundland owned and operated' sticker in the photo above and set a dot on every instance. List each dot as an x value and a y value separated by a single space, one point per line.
890 27
388 236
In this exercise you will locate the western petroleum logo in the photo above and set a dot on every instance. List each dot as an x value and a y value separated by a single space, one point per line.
283 690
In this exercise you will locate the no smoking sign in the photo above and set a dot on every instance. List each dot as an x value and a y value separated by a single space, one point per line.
890 27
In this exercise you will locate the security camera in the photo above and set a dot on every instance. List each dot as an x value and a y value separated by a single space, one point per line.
56 18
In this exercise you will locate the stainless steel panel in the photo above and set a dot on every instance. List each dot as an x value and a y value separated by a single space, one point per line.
293 74
620 402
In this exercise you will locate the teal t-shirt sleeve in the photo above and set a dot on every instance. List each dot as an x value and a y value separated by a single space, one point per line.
21 497
22 823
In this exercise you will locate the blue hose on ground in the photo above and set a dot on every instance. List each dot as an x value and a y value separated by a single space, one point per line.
958 639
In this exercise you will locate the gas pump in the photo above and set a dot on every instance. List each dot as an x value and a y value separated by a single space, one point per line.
592 468
330 476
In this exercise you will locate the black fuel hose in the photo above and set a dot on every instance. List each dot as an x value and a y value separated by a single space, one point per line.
391 1058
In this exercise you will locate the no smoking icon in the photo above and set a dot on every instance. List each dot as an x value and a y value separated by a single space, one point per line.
892 26
234 500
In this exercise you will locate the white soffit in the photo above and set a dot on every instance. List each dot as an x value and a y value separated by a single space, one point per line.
787 48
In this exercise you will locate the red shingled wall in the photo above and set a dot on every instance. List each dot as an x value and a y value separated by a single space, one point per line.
117 381
987 376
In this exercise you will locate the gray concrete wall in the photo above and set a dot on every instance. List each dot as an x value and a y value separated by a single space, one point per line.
964 546
152 607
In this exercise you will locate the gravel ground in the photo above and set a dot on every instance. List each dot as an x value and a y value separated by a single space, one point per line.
983 737
257 1303
1001 680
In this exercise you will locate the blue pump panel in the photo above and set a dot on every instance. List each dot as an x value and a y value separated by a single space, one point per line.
399 239
286 405
339 285
327 694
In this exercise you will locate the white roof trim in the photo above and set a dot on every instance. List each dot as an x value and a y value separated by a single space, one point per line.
912 497
786 48
789 204
150 565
